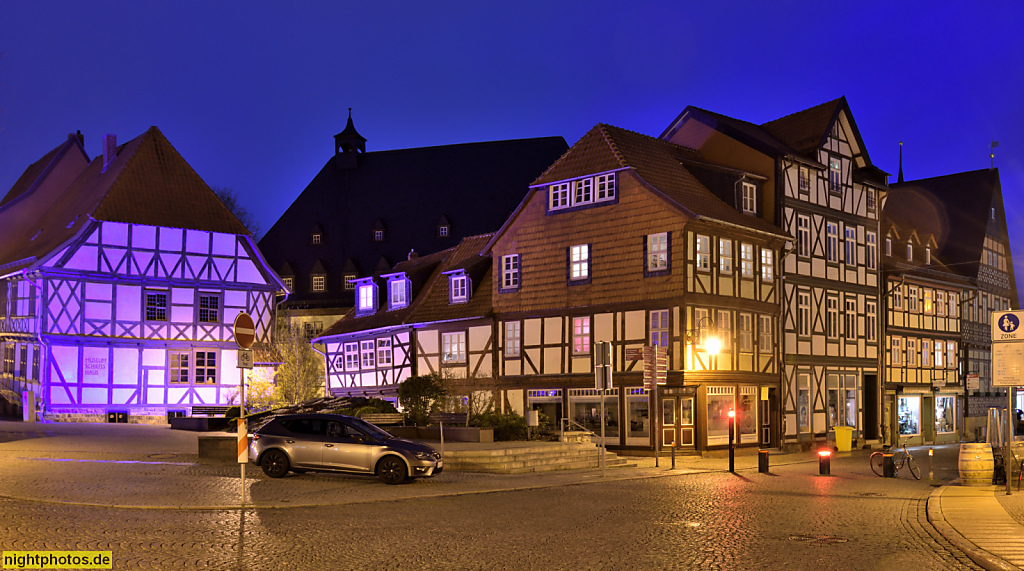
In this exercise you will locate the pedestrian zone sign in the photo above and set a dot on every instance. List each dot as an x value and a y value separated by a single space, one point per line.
1007 349
1006 326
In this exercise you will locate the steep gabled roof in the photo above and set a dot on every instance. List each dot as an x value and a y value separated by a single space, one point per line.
805 131
430 300
749 133
148 182
664 166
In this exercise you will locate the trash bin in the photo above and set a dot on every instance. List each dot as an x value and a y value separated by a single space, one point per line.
844 438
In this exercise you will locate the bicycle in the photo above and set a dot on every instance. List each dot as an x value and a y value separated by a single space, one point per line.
902 457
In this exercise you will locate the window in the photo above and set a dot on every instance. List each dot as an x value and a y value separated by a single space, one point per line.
199 368
888 246
803 236
700 318
850 327
384 352
513 338
869 199
870 320
803 402
725 329
510 271
747 260
558 196
657 252
926 352
928 256
703 253
398 294
767 265
206 368
746 332
316 238
950 354
940 303
908 415
938 346
929 308
453 347
583 191
580 335
912 298
209 309
835 173
897 297
804 180
459 288
156 306
851 246
318 283
579 262
378 235
180 371
953 304
896 351
725 256
832 317
912 352
659 328
945 414
347 278
351 356
606 187
366 352
871 251
367 295
289 283
442 230
749 198
764 334
832 241
910 252
803 313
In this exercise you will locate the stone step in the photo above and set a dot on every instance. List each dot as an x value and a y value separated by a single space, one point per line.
525 467
485 455
517 461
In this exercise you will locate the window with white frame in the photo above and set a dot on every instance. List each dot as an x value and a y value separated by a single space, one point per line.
803 313
398 293
605 187
832 317
896 352
579 262
384 352
929 307
367 353
910 252
871 250
767 265
749 198
724 256
367 294
206 367
724 323
869 199
926 352
192 367
453 347
747 260
442 230
378 235
703 253
832 241
851 246
347 278
318 282
804 180
659 328
954 304
764 334
888 246
850 327
558 196
156 305
835 174
939 347
950 354
289 283
928 256
209 308
583 191
912 298
579 192
316 237
513 338
459 288
803 236
510 271
351 356
870 320
700 318
940 303
657 252
581 335
746 332
911 352
179 367
897 297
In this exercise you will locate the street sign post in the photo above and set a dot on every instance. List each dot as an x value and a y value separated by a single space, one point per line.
1008 367
244 331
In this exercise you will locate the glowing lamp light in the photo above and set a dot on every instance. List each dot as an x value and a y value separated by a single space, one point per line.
824 453
732 414
713 345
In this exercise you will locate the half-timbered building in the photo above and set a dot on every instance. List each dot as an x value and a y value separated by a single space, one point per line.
820 186
429 314
120 278
965 216
639 242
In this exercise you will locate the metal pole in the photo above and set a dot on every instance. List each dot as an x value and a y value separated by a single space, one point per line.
604 451
241 423
659 430
1007 453
732 456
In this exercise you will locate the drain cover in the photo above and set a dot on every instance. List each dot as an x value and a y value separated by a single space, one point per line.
818 539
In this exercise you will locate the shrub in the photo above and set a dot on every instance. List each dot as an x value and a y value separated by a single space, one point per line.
420 396
509 426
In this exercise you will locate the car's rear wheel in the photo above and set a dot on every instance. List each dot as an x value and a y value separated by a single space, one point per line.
274 463
391 470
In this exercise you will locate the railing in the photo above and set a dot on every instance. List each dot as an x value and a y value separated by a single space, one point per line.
569 424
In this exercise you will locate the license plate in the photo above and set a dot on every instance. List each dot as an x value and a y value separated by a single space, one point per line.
440 463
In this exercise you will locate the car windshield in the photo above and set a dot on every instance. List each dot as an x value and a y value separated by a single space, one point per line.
370 429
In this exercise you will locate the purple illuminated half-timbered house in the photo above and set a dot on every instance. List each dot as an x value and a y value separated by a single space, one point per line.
120 278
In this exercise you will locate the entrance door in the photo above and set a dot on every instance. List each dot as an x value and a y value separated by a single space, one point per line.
668 422
872 406
686 438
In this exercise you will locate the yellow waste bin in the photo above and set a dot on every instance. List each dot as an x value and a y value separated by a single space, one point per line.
844 438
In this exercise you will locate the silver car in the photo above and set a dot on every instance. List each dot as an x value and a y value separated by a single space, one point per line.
339 443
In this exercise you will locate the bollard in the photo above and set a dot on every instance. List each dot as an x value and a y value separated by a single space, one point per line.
888 468
732 447
762 461
673 455
825 462
931 474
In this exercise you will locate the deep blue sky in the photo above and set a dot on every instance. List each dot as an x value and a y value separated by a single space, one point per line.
251 93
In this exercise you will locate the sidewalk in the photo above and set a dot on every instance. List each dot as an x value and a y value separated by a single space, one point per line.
974 520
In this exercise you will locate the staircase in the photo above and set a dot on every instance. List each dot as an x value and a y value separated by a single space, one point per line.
535 457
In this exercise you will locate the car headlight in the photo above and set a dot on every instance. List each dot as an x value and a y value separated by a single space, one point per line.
424 455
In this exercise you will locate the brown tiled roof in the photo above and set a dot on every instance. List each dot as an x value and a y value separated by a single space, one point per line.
661 164
805 130
32 174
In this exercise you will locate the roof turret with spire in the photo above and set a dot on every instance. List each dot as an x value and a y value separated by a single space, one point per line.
347 145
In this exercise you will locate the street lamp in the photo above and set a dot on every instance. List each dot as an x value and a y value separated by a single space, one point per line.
699 335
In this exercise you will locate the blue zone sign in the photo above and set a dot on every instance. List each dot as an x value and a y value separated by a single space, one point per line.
1006 326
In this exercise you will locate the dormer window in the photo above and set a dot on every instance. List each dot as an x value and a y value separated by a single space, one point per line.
347 278
288 283
458 284
910 252
888 246
366 296
398 290
319 282
582 191
378 235
928 256
442 231
316 238
443 227
749 198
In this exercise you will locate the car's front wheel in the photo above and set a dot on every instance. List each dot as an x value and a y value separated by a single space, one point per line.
391 470
274 463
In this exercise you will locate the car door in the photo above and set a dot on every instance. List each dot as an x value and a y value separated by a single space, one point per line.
304 442
347 448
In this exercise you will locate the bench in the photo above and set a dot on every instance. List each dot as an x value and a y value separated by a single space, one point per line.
384 418
450 418
209 410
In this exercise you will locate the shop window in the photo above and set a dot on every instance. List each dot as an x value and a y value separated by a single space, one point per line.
945 414
842 400
803 402
746 415
585 408
638 416
720 402
908 415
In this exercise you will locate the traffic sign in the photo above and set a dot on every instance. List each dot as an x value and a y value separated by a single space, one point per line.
244 331
245 358
634 353
1006 326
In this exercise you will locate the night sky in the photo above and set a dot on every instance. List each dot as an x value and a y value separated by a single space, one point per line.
251 93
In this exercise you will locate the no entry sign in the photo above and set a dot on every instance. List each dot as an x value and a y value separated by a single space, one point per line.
244 331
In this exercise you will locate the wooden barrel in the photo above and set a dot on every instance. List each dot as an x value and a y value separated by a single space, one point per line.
976 464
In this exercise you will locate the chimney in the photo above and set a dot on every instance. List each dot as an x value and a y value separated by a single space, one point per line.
109 150
412 255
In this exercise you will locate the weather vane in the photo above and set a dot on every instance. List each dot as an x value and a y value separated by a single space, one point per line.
992 154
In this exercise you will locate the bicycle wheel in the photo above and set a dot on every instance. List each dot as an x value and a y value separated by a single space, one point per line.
913 467
877 461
